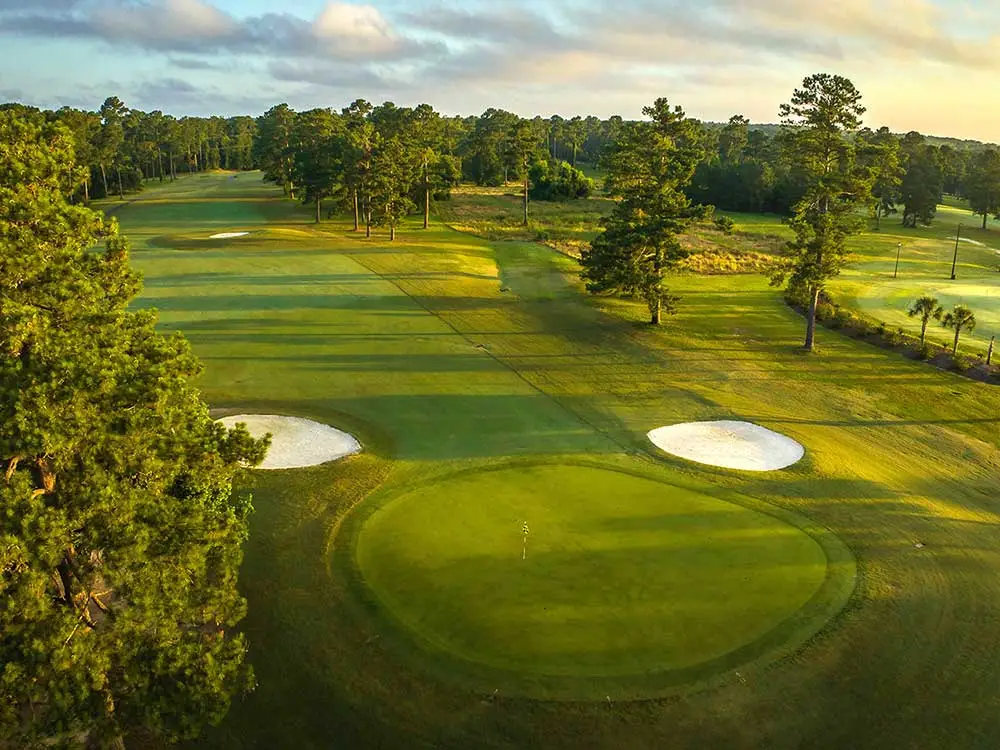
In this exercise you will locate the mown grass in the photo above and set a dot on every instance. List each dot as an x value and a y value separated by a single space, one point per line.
925 261
629 581
415 348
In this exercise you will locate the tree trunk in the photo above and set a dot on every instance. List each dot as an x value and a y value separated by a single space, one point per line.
357 223
574 156
66 578
291 190
104 179
159 161
427 205
923 329
811 320
86 191
654 312
118 741
121 191
989 353
954 349
525 200
368 221
985 216
392 232
878 217
319 203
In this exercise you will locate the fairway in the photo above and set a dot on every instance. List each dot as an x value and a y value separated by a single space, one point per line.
875 287
621 575
850 595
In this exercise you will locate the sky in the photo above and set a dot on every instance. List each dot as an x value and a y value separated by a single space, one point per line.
926 65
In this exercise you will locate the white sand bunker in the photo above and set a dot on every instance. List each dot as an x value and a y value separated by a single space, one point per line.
973 242
296 442
228 235
733 445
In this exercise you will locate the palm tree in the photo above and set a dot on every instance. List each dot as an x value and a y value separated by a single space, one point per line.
960 319
925 308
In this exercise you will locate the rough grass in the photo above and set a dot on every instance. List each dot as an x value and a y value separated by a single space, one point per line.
414 348
569 226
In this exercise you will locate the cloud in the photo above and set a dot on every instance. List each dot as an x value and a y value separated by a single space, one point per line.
361 27
714 56
340 31
334 75
193 63
163 22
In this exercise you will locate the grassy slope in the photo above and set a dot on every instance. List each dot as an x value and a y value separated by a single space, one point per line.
898 453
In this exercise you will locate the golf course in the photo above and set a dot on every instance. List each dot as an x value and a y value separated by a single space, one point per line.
510 562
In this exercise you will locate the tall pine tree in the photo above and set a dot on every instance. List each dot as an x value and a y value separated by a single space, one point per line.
648 168
120 532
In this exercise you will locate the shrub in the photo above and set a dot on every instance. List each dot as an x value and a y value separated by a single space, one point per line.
724 224
558 181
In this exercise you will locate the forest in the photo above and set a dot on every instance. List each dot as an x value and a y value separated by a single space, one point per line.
383 162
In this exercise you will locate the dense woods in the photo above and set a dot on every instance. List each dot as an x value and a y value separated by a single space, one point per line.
382 162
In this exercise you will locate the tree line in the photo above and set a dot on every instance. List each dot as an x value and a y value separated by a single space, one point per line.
381 163
121 147
743 166
746 168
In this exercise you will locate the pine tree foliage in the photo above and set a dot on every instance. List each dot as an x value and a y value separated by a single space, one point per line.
120 532
648 168
818 121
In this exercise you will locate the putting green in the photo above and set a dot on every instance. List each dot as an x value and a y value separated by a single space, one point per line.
623 575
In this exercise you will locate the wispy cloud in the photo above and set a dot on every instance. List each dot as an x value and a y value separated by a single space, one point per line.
536 56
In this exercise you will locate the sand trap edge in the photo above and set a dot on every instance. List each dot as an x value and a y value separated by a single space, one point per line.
296 442
228 235
728 444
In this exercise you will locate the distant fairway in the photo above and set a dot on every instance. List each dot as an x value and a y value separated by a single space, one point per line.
925 268
623 576
384 588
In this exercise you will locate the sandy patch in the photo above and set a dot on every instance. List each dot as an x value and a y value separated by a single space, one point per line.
296 442
732 445
972 242
228 235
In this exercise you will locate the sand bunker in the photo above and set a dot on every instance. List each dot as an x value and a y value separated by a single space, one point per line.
228 235
972 242
733 445
296 442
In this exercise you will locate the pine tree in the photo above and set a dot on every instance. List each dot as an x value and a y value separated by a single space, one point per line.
120 533
817 121
648 167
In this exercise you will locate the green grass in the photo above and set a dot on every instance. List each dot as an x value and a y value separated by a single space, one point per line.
415 348
926 258
626 577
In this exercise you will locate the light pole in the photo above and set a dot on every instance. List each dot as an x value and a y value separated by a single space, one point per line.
954 260
899 249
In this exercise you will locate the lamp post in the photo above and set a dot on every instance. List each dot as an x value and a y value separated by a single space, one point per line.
954 260
899 249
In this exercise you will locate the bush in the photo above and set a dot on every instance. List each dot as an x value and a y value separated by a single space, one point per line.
724 224
558 181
